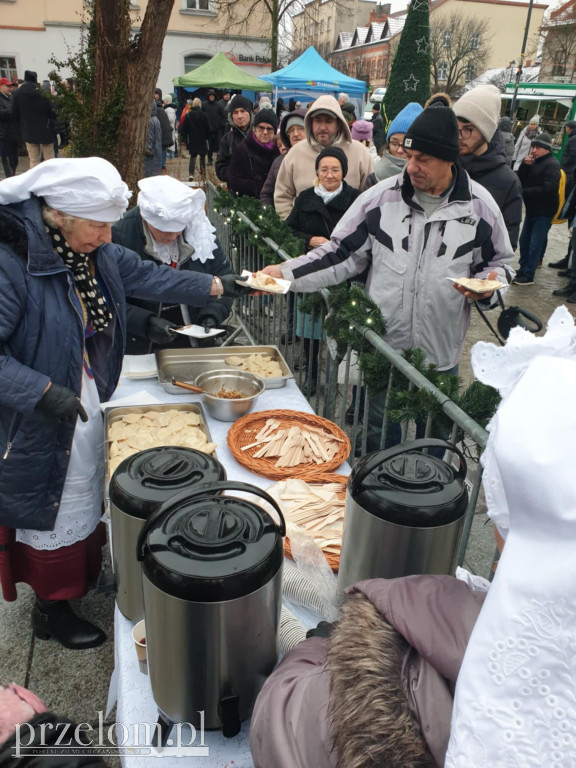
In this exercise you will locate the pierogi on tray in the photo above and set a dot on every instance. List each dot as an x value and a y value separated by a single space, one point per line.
135 432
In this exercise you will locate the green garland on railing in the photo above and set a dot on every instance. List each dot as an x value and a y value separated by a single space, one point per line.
349 305
267 221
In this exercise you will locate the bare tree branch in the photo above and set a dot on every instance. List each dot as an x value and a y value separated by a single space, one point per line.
459 50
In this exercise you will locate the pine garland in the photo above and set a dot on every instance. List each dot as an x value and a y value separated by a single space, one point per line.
269 224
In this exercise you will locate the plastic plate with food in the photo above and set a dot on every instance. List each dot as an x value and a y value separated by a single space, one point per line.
262 282
477 285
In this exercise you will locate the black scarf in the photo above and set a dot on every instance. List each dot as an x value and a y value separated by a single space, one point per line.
98 313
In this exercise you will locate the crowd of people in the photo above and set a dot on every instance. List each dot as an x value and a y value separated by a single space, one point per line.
435 194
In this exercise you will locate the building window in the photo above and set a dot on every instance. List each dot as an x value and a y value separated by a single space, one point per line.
447 38
198 5
475 41
442 71
322 26
8 68
195 60
470 72
558 70
329 24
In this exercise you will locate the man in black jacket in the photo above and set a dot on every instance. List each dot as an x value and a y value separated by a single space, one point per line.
216 114
9 133
169 226
540 177
482 153
569 155
32 108
240 118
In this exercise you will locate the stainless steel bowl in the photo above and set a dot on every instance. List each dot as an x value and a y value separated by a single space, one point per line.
225 409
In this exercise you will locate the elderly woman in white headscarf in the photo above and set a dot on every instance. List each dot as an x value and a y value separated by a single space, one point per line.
62 336
169 226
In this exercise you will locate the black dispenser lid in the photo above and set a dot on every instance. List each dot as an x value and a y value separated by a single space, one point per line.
211 548
404 486
145 480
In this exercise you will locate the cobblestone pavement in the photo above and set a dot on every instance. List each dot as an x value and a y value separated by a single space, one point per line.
75 684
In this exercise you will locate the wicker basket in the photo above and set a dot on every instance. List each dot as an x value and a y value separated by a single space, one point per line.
242 433
327 477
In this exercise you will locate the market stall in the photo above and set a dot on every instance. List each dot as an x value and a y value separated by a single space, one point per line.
136 708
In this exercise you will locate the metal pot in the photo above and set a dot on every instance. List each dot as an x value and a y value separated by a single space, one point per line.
138 487
212 580
228 409
404 514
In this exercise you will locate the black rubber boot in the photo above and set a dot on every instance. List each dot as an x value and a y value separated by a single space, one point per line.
55 619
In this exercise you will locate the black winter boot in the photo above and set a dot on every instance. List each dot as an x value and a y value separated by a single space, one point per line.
55 619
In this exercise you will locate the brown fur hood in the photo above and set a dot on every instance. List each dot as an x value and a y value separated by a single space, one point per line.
379 692
394 657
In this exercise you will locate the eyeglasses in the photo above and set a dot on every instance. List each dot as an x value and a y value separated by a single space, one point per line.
263 129
326 171
394 143
466 131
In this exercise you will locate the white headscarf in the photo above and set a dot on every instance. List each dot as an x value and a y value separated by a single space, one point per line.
515 702
170 206
87 187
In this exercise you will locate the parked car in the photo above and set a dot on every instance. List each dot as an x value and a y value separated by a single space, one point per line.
376 97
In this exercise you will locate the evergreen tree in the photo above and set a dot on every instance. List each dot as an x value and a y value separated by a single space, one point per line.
410 76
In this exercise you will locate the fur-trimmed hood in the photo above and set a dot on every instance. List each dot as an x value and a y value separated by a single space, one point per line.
379 692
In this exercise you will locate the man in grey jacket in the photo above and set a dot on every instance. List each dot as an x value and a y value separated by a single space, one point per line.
415 233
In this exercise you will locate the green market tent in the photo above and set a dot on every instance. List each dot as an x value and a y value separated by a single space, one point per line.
220 72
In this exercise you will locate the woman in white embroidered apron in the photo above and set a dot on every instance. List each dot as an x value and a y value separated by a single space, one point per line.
62 337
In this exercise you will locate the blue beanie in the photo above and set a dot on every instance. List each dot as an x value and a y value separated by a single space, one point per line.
404 119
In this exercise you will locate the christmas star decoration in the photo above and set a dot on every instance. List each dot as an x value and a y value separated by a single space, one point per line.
420 5
422 45
411 83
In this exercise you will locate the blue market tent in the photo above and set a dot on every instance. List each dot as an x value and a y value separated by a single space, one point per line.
310 72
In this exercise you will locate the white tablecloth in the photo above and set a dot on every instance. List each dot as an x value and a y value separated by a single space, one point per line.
135 702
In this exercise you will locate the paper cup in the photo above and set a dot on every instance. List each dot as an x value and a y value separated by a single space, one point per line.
139 637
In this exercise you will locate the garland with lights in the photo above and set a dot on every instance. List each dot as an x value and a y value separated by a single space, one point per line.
350 308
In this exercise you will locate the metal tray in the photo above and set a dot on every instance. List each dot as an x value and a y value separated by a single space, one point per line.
114 414
187 364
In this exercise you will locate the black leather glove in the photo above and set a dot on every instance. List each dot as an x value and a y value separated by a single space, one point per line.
209 322
324 629
59 402
231 288
158 330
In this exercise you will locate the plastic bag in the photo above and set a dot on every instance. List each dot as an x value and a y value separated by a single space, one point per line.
313 565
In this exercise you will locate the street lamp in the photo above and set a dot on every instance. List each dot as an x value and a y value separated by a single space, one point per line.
521 62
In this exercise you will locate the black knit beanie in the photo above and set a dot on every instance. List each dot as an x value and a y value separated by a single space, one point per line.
30 76
240 102
338 154
435 132
266 116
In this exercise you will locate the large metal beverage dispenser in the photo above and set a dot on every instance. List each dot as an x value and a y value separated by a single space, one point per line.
404 513
138 487
212 582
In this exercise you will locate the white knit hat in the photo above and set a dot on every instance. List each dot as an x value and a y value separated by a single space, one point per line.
87 187
481 107
170 206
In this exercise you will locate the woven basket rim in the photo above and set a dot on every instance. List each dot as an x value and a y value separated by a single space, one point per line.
265 466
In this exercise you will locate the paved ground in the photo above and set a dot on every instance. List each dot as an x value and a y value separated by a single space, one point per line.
76 683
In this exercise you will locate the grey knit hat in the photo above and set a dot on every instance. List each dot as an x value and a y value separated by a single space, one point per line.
542 140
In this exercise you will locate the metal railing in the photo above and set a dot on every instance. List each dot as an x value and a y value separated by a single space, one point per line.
331 382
